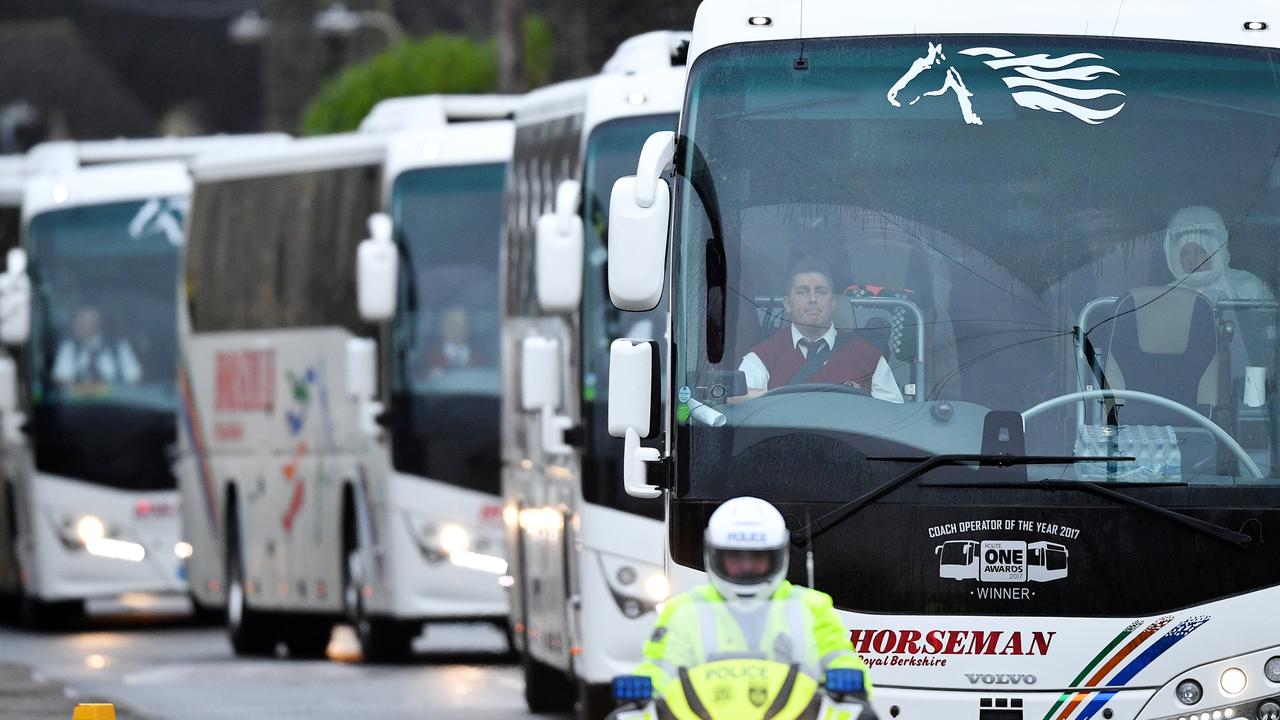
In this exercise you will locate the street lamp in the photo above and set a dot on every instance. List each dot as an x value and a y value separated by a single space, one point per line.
250 27
339 20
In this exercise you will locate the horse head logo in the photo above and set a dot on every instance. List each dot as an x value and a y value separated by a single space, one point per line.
952 82
1038 82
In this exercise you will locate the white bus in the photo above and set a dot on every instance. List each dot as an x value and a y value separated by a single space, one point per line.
1046 195
589 570
88 398
333 468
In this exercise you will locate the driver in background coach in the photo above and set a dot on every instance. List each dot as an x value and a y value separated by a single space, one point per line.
748 609
809 349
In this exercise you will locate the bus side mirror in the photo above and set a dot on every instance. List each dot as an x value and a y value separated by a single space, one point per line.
639 213
15 299
633 409
558 252
376 267
540 367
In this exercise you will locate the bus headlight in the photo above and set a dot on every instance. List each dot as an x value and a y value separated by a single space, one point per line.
1272 669
77 531
637 588
1233 681
454 539
1189 692
657 587
90 528
91 534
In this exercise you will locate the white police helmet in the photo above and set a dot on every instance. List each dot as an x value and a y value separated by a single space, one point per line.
745 549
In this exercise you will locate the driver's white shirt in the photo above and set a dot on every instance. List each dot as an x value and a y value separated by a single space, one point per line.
114 365
883 385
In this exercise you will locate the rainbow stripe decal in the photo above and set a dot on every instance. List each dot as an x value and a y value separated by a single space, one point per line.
1130 645
195 433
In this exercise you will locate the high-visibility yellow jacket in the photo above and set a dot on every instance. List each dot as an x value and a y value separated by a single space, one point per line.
797 625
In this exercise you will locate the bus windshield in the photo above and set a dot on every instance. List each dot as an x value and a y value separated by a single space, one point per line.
886 248
103 348
445 380
612 151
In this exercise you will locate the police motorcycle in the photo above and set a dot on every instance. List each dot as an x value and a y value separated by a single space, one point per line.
744 689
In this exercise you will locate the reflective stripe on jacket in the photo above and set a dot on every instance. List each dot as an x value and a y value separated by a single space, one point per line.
797 625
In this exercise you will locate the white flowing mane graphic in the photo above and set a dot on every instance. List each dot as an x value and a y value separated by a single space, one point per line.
1035 81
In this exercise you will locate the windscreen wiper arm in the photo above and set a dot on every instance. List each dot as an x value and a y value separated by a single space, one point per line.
844 512
1224 534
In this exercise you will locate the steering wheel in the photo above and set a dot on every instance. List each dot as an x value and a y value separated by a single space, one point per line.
1164 402
815 387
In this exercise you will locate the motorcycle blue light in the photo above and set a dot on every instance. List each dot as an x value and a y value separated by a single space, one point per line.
845 681
632 688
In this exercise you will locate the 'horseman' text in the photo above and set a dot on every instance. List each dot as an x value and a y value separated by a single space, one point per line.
950 642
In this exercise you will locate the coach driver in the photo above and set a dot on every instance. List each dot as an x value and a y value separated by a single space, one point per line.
808 349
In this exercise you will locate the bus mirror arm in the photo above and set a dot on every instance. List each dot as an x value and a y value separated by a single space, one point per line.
555 428
15 299
635 474
656 156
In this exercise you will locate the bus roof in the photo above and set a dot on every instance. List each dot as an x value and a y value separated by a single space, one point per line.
471 143
722 22
68 154
326 152
101 184
644 76
648 51
427 111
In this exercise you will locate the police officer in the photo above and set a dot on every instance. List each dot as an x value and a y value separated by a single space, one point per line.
749 609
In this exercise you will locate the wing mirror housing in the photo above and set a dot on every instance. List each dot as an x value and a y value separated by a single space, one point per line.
15 299
633 409
540 370
558 251
639 218
377 264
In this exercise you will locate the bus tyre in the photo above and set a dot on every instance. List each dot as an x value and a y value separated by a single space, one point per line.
248 630
595 702
49 616
308 637
206 615
382 640
546 689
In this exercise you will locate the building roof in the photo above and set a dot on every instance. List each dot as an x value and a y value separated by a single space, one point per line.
50 66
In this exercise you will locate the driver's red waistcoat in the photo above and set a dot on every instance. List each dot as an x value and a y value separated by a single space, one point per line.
852 362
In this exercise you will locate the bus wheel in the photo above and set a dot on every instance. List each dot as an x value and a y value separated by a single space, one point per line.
382 640
595 702
249 633
49 616
308 637
546 689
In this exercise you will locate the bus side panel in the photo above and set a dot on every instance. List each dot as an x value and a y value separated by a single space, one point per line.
281 427
540 485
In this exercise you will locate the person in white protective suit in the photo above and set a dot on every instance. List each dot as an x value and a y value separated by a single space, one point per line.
1195 246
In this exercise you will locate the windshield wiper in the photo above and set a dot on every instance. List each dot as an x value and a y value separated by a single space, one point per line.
1224 534
844 512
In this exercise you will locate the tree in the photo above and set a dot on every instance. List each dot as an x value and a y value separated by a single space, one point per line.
438 63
